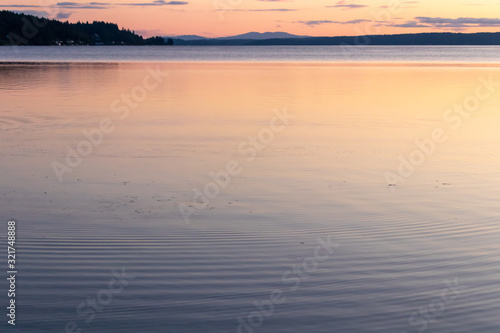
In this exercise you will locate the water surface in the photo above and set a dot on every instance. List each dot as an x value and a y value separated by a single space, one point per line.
427 54
323 174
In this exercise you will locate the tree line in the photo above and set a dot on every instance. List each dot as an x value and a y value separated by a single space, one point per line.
23 29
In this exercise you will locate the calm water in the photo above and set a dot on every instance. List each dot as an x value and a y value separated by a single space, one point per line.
483 54
327 170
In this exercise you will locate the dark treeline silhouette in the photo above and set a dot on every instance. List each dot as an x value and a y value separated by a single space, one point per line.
22 29
158 40
439 38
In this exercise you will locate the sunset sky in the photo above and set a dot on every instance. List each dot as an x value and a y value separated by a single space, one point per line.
216 18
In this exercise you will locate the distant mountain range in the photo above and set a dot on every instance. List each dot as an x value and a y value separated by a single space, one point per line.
262 36
249 35
283 38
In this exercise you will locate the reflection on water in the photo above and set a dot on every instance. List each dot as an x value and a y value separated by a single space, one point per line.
321 175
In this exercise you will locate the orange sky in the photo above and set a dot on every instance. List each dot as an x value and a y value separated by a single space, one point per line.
215 18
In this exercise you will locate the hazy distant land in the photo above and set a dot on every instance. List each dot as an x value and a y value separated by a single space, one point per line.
439 38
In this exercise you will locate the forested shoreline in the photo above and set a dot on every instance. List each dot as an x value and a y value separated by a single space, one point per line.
22 29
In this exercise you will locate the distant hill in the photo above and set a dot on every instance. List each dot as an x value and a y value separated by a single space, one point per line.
262 36
247 36
188 37
22 29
